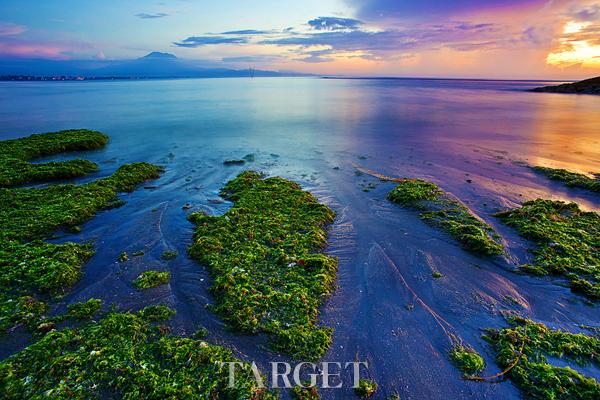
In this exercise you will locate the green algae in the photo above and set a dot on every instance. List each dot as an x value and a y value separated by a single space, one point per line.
526 344
439 209
29 266
366 388
567 239
123 257
15 168
150 279
467 360
571 179
261 254
126 356
305 392
169 255
84 310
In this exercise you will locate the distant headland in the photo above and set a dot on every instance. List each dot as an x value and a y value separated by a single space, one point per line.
588 86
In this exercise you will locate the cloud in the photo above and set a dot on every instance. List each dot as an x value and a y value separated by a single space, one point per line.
252 59
10 29
590 13
53 50
246 32
334 23
198 41
389 40
151 16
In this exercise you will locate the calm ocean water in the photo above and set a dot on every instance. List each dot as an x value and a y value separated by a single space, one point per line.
473 138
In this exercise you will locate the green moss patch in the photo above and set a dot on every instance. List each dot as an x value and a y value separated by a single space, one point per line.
527 344
124 355
439 209
467 360
30 267
84 310
150 279
15 168
567 239
261 254
366 388
571 179
305 393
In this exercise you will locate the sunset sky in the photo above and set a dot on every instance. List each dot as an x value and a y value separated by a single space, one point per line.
546 39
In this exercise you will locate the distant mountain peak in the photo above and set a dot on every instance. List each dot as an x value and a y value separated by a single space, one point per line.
158 54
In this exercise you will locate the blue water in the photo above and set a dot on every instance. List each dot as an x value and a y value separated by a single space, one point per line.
387 309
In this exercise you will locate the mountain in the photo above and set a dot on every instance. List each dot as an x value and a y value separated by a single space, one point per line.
158 54
152 65
588 86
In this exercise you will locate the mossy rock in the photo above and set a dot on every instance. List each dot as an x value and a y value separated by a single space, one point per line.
262 254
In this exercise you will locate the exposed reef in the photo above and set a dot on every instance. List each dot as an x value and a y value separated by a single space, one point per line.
439 209
588 86
571 179
567 239
262 254
522 349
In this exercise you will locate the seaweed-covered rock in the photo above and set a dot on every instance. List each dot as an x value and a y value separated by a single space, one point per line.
525 345
124 355
261 253
567 240
149 279
15 168
467 360
439 209
30 266
571 179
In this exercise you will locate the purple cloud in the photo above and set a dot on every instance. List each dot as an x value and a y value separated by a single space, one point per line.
10 29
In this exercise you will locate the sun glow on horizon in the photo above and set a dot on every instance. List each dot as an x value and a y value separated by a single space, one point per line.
573 51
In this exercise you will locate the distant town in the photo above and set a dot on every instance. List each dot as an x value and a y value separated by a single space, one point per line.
64 78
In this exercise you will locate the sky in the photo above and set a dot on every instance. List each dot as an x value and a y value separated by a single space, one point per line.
512 39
